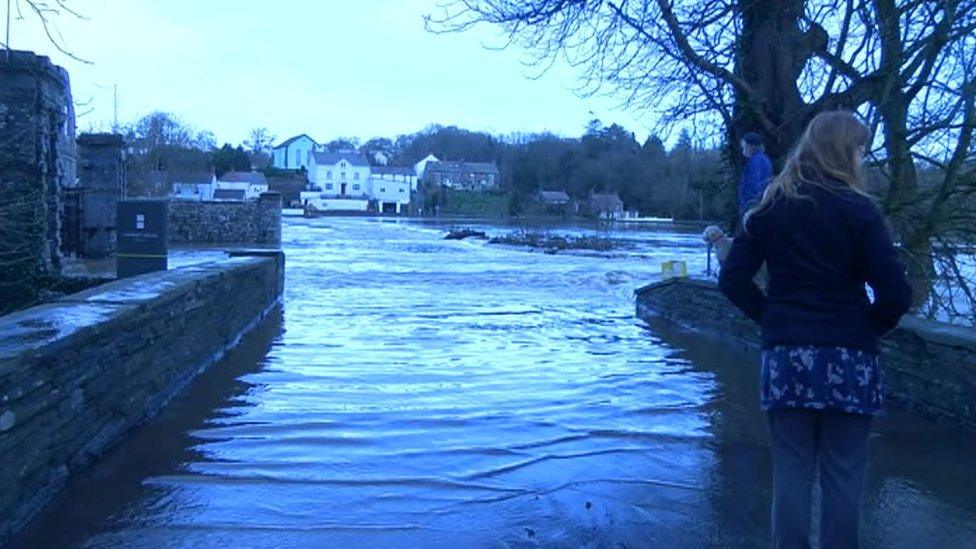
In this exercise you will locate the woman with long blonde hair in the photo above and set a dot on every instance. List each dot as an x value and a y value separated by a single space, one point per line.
822 239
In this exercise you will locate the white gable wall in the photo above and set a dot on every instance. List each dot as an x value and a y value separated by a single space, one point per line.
420 166
294 156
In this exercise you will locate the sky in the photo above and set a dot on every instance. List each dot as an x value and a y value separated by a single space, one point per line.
328 68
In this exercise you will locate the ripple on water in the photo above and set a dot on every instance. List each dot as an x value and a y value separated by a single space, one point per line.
434 393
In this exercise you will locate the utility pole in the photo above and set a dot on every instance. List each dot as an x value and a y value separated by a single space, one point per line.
7 42
115 104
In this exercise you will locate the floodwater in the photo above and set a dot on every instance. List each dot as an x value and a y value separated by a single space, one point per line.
417 392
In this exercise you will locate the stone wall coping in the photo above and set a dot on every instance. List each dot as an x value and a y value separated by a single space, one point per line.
928 330
940 332
23 60
54 326
51 326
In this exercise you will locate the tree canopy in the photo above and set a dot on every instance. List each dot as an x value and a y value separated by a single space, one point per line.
907 67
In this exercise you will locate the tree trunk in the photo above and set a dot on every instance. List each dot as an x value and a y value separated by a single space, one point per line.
771 53
902 204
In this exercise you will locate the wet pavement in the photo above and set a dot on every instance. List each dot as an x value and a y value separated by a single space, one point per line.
421 392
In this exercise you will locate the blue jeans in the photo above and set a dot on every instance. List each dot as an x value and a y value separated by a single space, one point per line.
805 442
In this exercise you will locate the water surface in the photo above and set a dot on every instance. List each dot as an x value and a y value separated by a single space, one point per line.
422 392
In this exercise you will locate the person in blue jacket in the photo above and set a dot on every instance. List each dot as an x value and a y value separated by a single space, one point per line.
822 238
756 174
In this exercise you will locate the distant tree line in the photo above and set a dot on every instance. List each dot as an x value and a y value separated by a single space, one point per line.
686 182
161 141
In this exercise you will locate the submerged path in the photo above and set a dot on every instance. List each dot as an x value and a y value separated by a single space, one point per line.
419 392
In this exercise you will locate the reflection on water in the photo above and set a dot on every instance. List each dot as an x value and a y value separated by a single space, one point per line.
424 392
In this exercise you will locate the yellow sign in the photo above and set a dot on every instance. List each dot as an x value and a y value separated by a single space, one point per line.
671 269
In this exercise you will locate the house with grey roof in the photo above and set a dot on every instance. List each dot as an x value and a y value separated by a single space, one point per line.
395 173
188 185
606 206
252 184
556 202
255 178
553 198
293 153
343 173
467 176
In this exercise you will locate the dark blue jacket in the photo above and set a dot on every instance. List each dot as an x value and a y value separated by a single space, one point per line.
820 250
756 175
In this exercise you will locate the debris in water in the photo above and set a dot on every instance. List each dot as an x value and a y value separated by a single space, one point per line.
461 234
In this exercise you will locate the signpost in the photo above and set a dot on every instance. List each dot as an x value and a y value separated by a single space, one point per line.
142 230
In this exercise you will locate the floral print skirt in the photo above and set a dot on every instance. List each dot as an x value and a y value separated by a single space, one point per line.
814 377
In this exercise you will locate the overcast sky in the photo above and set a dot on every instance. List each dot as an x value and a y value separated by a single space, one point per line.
329 68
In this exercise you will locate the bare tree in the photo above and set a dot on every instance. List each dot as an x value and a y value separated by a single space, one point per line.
908 66
259 140
46 12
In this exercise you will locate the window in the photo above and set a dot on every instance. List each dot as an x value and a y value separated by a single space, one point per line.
355 187
401 190
342 176
328 186
140 221
328 174
383 190
355 175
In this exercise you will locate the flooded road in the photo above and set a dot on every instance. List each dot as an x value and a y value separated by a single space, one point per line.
421 392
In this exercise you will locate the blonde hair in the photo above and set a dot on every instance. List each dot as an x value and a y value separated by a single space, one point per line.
828 149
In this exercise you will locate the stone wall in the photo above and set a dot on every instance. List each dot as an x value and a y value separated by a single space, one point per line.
255 222
37 161
76 374
930 366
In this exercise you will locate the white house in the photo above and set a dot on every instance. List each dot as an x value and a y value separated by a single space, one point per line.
343 173
421 166
232 186
395 173
192 191
198 186
345 182
293 153
390 187
338 182
241 186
